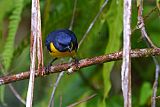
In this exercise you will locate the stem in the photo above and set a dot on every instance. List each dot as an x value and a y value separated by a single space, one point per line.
136 53
126 64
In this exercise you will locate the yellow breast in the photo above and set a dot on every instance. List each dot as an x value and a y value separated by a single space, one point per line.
56 53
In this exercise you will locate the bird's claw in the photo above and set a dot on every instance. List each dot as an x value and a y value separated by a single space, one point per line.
76 62
48 68
73 66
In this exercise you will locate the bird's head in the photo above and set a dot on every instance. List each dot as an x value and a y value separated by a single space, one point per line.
62 41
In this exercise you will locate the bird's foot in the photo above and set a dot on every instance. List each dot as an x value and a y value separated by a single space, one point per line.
48 68
73 66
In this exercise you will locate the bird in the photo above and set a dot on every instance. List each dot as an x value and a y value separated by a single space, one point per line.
61 43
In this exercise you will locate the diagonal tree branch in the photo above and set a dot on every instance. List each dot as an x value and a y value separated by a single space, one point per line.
17 94
80 43
84 100
145 18
136 53
93 22
51 103
150 44
73 15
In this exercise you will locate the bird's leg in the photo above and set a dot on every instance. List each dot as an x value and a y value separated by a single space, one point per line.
76 61
75 64
50 64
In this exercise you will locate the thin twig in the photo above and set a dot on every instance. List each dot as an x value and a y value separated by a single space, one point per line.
145 18
93 22
71 26
141 25
35 33
54 89
39 44
158 98
84 100
62 73
155 85
29 98
135 53
149 44
126 64
86 33
16 94
73 15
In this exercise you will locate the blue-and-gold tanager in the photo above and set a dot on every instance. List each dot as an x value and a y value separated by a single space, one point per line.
61 43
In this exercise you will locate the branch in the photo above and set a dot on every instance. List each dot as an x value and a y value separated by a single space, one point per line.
149 44
73 15
51 103
16 94
145 18
136 53
84 100
93 22
54 89
141 25
126 64
35 39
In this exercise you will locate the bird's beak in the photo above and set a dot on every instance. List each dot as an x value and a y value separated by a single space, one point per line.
68 47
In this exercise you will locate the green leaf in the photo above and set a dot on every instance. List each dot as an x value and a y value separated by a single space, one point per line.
4 10
23 60
158 4
13 26
145 93
101 103
2 91
114 19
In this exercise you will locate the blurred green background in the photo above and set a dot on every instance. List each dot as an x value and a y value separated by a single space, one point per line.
105 37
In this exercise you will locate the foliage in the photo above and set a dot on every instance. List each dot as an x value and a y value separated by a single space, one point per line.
104 37
13 26
145 93
114 18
